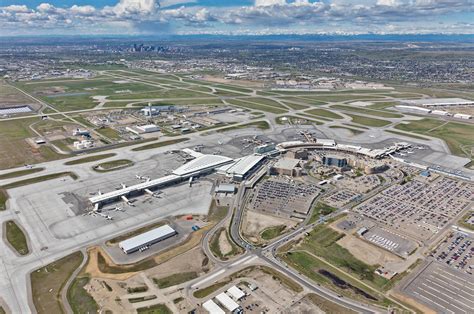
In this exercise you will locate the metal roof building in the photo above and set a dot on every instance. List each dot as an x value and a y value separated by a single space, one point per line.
439 102
146 239
202 163
242 166
212 307
227 302
236 293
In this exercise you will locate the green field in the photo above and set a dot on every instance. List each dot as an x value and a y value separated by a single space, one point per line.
113 165
78 298
257 106
15 150
272 232
320 209
262 125
16 237
47 283
458 136
154 309
303 100
372 122
382 105
175 279
377 113
89 159
295 106
215 248
327 306
159 144
323 113
20 173
109 133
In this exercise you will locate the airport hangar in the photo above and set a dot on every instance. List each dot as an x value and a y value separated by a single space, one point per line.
144 240
201 164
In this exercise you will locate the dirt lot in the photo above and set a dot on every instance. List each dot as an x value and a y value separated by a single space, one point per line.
224 245
9 96
424 309
255 223
366 252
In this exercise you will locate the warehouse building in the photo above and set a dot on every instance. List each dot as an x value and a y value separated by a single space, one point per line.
441 102
145 240
227 302
212 307
142 129
236 293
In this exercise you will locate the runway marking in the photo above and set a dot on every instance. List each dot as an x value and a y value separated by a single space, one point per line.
208 278
431 301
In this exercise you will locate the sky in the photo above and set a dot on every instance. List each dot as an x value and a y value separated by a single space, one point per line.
235 17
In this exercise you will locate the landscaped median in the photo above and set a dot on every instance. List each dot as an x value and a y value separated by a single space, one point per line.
16 237
113 165
20 173
3 189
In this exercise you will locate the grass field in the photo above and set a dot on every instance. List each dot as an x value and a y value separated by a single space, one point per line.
89 159
113 165
174 279
320 209
78 298
262 125
327 306
463 221
20 173
458 136
16 237
302 100
109 133
15 150
321 242
257 106
372 122
154 309
323 113
215 248
295 106
377 113
382 105
272 232
159 144
47 283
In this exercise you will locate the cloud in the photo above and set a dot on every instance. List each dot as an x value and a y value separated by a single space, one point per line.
151 16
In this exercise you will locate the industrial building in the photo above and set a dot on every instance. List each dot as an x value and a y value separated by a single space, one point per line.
225 188
144 240
155 110
227 302
212 307
287 166
442 102
142 129
236 293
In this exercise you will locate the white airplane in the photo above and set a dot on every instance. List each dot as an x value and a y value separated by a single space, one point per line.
139 177
123 186
219 142
372 136
402 154
118 209
99 192
107 217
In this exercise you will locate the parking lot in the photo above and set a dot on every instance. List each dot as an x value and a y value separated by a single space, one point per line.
390 241
419 209
443 289
341 198
456 251
285 198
